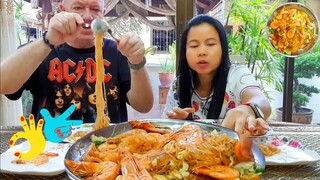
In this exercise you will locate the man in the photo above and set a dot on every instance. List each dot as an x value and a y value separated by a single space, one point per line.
66 55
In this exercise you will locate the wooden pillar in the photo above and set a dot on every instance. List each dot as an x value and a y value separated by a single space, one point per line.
288 87
47 13
185 11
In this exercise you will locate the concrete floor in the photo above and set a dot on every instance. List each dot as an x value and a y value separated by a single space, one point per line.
157 109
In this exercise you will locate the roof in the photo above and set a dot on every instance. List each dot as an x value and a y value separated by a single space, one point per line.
140 9
167 7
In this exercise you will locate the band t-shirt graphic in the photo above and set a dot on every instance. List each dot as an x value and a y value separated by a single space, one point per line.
68 76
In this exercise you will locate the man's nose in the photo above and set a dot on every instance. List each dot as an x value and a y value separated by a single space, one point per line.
86 14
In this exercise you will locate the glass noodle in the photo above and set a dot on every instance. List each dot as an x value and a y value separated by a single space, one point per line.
102 119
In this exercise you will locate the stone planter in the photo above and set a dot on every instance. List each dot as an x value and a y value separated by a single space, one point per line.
166 79
304 116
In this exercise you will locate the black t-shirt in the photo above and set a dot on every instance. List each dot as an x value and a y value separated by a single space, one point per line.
68 75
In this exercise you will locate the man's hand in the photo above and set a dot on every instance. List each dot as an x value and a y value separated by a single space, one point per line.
64 27
33 135
57 129
131 46
178 113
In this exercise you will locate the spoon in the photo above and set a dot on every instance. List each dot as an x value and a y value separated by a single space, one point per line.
99 25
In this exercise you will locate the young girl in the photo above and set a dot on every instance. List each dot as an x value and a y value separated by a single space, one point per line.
208 87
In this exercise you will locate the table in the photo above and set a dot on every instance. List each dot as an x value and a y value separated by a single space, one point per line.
308 135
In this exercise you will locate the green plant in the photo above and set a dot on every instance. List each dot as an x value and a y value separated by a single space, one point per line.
20 19
150 49
307 67
168 65
251 41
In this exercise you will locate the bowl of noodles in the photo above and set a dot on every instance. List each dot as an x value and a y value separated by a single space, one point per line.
292 29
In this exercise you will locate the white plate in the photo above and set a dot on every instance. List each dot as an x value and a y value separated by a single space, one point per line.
86 128
53 167
293 156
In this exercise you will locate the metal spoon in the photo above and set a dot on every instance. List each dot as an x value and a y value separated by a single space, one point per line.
99 25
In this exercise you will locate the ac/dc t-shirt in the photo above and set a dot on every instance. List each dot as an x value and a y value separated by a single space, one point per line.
68 76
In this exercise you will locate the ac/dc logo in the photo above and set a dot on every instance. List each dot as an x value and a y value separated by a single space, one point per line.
59 71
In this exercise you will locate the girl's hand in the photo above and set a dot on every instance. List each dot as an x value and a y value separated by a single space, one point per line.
178 113
244 123
256 127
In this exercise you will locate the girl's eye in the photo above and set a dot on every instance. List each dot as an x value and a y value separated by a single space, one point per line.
193 45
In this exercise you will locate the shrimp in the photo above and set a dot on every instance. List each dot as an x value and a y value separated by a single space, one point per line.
102 170
95 155
187 135
150 127
218 172
242 149
132 169
157 161
92 155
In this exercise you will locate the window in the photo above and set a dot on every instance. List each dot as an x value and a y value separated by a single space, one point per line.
162 39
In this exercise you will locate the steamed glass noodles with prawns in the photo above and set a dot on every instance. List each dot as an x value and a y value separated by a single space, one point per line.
150 151
292 29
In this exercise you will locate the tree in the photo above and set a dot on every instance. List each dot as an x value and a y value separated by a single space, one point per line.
251 40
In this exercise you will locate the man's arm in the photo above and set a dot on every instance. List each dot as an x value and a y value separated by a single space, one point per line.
18 67
140 94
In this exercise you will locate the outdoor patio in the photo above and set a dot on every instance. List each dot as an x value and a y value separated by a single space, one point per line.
157 109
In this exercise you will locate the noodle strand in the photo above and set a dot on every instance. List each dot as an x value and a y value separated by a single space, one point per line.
103 119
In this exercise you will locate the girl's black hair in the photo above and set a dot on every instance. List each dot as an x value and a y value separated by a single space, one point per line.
186 74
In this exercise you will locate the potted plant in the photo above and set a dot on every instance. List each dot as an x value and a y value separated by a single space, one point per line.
151 49
168 67
306 67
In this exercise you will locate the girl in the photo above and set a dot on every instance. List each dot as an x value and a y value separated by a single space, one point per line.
208 87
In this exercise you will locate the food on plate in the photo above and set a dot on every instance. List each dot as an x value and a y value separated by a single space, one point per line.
152 151
77 135
269 149
291 30
42 158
